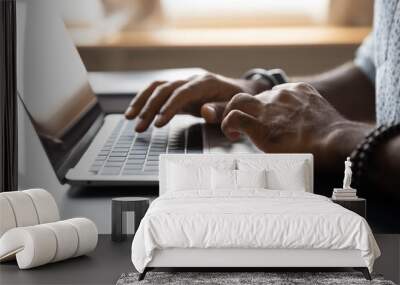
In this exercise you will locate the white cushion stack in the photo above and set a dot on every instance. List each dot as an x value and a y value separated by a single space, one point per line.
31 233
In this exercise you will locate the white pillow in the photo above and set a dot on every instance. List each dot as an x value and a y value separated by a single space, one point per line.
291 179
231 180
282 174
223 179
251 179
188 177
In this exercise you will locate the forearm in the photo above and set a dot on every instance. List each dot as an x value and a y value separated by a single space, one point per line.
348 90
384 168
340 140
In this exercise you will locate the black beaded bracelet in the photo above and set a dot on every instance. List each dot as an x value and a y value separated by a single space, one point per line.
362 155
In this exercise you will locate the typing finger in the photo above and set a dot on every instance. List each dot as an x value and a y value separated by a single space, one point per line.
181 97
140 100
213 112
237 122
244 102
159 96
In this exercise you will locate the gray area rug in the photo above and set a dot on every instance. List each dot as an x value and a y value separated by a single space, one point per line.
232 278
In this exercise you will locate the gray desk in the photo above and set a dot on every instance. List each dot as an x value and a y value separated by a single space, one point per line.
103 266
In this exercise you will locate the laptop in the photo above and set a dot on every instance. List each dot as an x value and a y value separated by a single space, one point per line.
85 145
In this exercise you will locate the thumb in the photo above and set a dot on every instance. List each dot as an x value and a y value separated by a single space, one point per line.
213 112
238 122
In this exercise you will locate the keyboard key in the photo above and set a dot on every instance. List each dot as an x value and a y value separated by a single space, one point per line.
118 153
114 163
133 166
156 152
116 159
135 161
118 148
137 156
139 151
153 158
123 144
157 148
140 147
142 138
176 151
128 137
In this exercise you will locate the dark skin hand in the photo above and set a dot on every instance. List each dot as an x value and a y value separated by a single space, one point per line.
295 118
206 95
327 115
292 118
161 101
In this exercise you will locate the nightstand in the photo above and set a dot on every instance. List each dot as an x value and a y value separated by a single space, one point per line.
358 205
124 211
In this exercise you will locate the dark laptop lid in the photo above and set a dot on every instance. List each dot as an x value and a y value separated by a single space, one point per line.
52 84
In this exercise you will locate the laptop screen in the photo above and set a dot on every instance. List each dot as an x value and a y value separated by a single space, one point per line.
52 81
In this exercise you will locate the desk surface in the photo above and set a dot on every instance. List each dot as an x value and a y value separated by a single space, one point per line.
189 38
103 266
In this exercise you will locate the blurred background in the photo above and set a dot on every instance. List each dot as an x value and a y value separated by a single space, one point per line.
222 36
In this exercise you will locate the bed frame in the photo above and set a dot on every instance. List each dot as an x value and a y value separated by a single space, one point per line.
250 258
242 259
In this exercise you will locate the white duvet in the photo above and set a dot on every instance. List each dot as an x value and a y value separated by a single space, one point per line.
256 219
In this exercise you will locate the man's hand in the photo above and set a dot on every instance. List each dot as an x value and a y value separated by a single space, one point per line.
293 118
199 96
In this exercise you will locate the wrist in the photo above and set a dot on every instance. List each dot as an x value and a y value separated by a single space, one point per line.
338 141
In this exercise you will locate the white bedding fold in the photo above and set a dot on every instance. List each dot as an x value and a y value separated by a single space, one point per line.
256 219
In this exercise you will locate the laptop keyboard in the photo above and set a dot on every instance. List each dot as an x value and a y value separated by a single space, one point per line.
129 153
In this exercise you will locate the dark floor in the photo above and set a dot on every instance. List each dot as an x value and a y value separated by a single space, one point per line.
103 266
110 259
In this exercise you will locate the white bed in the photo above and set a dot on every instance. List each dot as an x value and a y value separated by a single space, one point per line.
206 226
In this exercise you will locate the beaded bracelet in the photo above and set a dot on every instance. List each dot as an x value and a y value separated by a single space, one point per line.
361 156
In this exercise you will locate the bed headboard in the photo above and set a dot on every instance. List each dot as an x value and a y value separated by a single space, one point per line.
245 159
